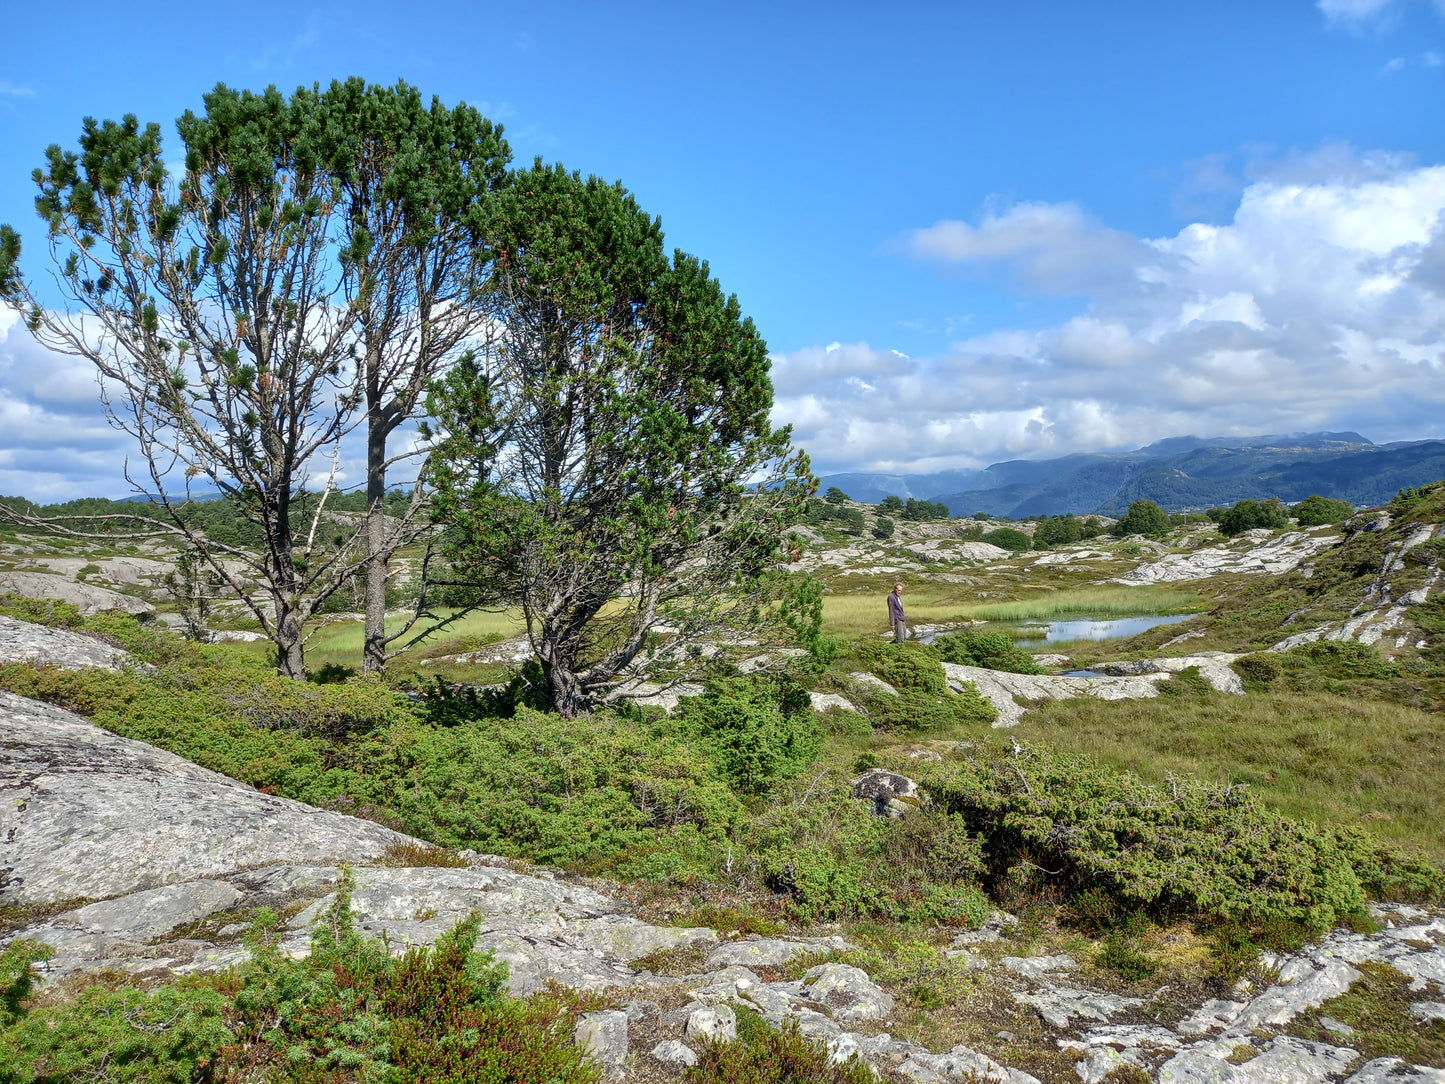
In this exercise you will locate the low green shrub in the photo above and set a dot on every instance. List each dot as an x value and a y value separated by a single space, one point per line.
1342 660
1050 823
990 650
924 701
534 786
765 1055
758 730
904 666
348 1012
926 712
169 1036
833 858
1258 670
16 978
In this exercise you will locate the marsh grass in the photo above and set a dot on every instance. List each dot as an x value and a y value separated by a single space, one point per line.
1316 756
857 614
1089 602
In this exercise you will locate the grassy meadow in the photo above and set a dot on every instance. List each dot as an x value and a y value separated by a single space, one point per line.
1323 757
340 642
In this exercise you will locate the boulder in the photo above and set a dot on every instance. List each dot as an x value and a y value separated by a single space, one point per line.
602 1037
674 1053
824 701
868 681
718 1023
892 795
848 991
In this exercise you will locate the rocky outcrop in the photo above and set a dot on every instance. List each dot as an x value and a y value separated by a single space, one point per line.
1002 688
1261 554
86 813
23 641
1213 667
89 598
1385 608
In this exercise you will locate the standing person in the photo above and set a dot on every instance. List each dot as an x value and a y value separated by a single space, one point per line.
896 616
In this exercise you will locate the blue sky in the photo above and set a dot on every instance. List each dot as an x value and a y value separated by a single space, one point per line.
1024 229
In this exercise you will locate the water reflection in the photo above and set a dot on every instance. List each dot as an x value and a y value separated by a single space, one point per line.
1101 628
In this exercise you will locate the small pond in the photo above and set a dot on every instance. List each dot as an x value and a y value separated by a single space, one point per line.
1095 628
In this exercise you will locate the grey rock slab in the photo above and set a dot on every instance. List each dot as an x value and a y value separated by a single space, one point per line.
816 1025
1103 1060
602 1038
991 930
1279 1005
1061 1004
651 694
1427 1011
1396 1071
1196 1067
1214 668
1004 690
674 1053
1034 967
716 1022
87 597
1126 1036
867 680
25 641
542 928
969 960
848 991
1423 968
1296 1061
1214 1014
958 1064
1336 1027
84 812
144 916
629 938
770 951
734 975
1273 556
503 899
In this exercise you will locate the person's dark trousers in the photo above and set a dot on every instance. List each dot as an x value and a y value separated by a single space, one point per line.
900 631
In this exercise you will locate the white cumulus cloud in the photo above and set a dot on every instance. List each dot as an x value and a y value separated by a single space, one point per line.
1321 305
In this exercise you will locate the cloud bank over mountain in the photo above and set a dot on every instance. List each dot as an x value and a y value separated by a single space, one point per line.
1321 305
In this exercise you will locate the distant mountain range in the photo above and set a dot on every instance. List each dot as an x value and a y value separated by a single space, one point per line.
1180 473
